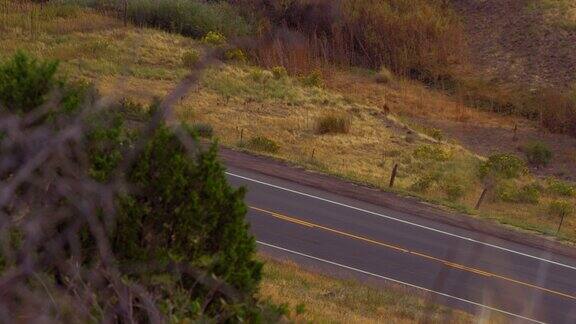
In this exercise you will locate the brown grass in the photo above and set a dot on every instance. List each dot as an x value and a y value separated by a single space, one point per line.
333 123
411 37
329 300
143 63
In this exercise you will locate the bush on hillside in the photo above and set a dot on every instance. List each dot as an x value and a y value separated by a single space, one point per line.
201 129
263 144
214 38
503 165
560 208
190 58
25 82
425 182
333 123
561 188
538 154
431 152
527 194
279 72
236 54
313 79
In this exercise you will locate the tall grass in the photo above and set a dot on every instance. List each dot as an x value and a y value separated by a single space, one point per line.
421 38
193 18
31 19
553 108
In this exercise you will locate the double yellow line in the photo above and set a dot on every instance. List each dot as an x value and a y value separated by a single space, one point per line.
404 250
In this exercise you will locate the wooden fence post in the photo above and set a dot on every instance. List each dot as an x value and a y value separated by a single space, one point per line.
560 226
481 199
393 176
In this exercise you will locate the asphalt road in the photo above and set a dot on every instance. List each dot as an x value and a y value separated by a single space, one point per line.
460 268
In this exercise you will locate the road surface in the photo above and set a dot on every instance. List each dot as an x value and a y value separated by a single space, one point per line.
456 267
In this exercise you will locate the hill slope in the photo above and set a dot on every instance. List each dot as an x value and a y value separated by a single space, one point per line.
523 41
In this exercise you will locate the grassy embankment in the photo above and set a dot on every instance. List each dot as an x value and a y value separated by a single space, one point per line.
273 114
314 298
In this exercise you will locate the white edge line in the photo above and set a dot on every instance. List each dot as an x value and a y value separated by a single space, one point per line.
403 221
399 282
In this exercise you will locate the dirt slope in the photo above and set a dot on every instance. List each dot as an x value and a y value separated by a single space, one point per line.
514 41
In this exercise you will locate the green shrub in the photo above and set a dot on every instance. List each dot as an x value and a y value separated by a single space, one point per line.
430 152
425 182
333 123
188 17
314 79
453 190
561 188
202 129
184 209
190 58
503 165
538 154
560 208
279 72
528 194
435 133
260 76
263 144
25 82
179 207
214 38
236 55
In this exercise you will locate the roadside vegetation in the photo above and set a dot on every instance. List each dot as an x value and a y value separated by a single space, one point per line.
309 297
304 118
104 221
328 95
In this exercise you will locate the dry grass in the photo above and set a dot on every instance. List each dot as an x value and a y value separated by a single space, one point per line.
236 102
410 37
333 123
96 48
239 100
31 20
561 13
329 300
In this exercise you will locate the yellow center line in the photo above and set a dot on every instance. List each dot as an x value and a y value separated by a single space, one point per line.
401 249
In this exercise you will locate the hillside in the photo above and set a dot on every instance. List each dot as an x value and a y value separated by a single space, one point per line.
307 118
532 42
357 121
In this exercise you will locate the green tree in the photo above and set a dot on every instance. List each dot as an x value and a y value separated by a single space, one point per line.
180 207
183 208
25 82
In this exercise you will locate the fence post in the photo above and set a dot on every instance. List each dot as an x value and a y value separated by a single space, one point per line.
560 225
393 176
482 195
